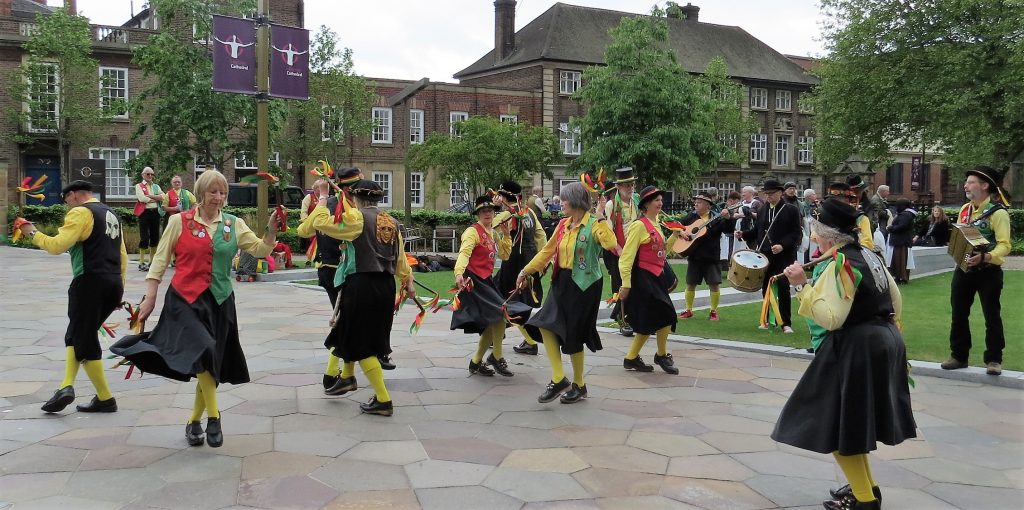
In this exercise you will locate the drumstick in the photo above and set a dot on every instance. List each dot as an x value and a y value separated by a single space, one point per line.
821 258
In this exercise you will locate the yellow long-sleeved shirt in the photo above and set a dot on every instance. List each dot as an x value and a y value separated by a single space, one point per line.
247 241
349 229
470 240
539 238
154 189
77 227
822 303
637 236
1000 223
601 232
866 235
629 212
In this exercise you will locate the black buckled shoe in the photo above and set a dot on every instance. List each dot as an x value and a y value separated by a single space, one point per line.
330 380
480 368
526 348
846 490
385 362
60 399
342 386
500 365
194 433
626 330
99 406
374 406
666 363
849 502
575 394
554 390
637 364
214 436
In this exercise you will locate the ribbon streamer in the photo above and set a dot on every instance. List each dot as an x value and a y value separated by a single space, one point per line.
770 305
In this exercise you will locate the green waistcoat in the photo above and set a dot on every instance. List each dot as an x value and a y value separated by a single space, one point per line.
586 266
223 253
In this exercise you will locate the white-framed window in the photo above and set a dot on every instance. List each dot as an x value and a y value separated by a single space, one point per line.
119 184
508 119
701 186
724 188
569 139
43 94
381 125
415 126
384 180
453 119
331 127
245 160
457 193
728 141
783 100
199 166
758 98
114 91
805 149
569 81
416 189
759 147
781 150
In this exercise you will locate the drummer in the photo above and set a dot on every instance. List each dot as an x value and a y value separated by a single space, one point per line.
703 256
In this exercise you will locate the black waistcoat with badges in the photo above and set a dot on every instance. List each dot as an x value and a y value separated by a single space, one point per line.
377 247
871 300
328 249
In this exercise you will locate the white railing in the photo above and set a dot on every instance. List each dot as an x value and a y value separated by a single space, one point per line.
27 29
110 34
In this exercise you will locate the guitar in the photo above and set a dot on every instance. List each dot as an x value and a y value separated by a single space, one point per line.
696 231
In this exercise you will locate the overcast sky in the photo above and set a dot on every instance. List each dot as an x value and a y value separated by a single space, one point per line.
412 39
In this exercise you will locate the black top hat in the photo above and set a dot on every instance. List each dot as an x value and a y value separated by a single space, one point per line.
855 181
705 196
649 193
347 176
76 186
771 185
838 215
990 175
624 175
483 202
510 190
367 190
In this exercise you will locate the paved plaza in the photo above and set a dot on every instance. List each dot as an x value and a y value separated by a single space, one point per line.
641 441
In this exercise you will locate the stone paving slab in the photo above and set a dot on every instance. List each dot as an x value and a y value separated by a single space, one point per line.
640 441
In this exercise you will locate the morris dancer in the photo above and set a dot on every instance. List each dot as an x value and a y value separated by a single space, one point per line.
366 310
99 262
702 260
197 335
620 210
568 319
148 198
645 299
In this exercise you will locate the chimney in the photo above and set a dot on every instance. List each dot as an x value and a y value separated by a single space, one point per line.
5 8
692 11
504 28
71 6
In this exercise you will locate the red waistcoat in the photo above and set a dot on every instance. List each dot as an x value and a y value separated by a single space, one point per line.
481 261
651 256
193 258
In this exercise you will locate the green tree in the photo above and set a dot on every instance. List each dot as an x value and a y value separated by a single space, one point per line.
945 73
645 111
487 152
338 110
731 123
55 90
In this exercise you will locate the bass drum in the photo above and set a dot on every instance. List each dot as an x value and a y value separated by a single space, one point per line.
747 270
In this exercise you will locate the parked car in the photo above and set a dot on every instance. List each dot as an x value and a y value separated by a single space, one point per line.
242 194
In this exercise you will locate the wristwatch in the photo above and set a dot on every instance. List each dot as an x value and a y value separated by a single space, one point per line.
799 287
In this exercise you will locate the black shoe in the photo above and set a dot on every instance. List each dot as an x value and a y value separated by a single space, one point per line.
376 407
342 386
846 490
626 330
194 433
99 406
330 380
480 368
810 350
666 363
525 348
60 399
214 436
385 362
637 364
500 365
555 389
849 502
575 394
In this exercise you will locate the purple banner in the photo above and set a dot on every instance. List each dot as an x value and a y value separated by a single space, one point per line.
234 55
289 62
915 173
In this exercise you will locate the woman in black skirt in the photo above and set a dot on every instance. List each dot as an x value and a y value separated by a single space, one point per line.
568 319
197 335
855 391
645 300
481 310
527 237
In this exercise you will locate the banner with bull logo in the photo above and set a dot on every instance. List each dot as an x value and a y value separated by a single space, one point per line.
234 55
289 62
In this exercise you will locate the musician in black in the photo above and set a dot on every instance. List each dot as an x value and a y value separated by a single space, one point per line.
703 255
777 235
985 276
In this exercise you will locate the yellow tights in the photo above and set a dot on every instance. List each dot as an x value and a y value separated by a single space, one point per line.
375 374
93 368
640 340
526 335
555 357
857 469
206 397
491 337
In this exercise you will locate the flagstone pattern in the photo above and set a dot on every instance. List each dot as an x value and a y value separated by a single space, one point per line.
697 440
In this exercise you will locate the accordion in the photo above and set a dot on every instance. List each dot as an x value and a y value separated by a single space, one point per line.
965 241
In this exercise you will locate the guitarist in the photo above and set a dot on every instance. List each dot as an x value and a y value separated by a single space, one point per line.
703 254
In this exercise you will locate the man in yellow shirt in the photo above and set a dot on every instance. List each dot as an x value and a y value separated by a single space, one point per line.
92 234
985 277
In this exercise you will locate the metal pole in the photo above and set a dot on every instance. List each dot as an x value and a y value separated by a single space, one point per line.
262 112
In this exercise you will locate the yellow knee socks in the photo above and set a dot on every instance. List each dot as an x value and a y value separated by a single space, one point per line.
333 364
867 469
715 296
638 343
554 355
94 369
663 340
497 335
209 389
577 368
70 368
481 347
348 369
526 335
371 368
854 467
198 406
690 294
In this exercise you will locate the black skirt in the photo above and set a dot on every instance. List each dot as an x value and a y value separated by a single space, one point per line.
853 394
649 307
570 313
367 312
481 307
91 299
190 339
506 281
